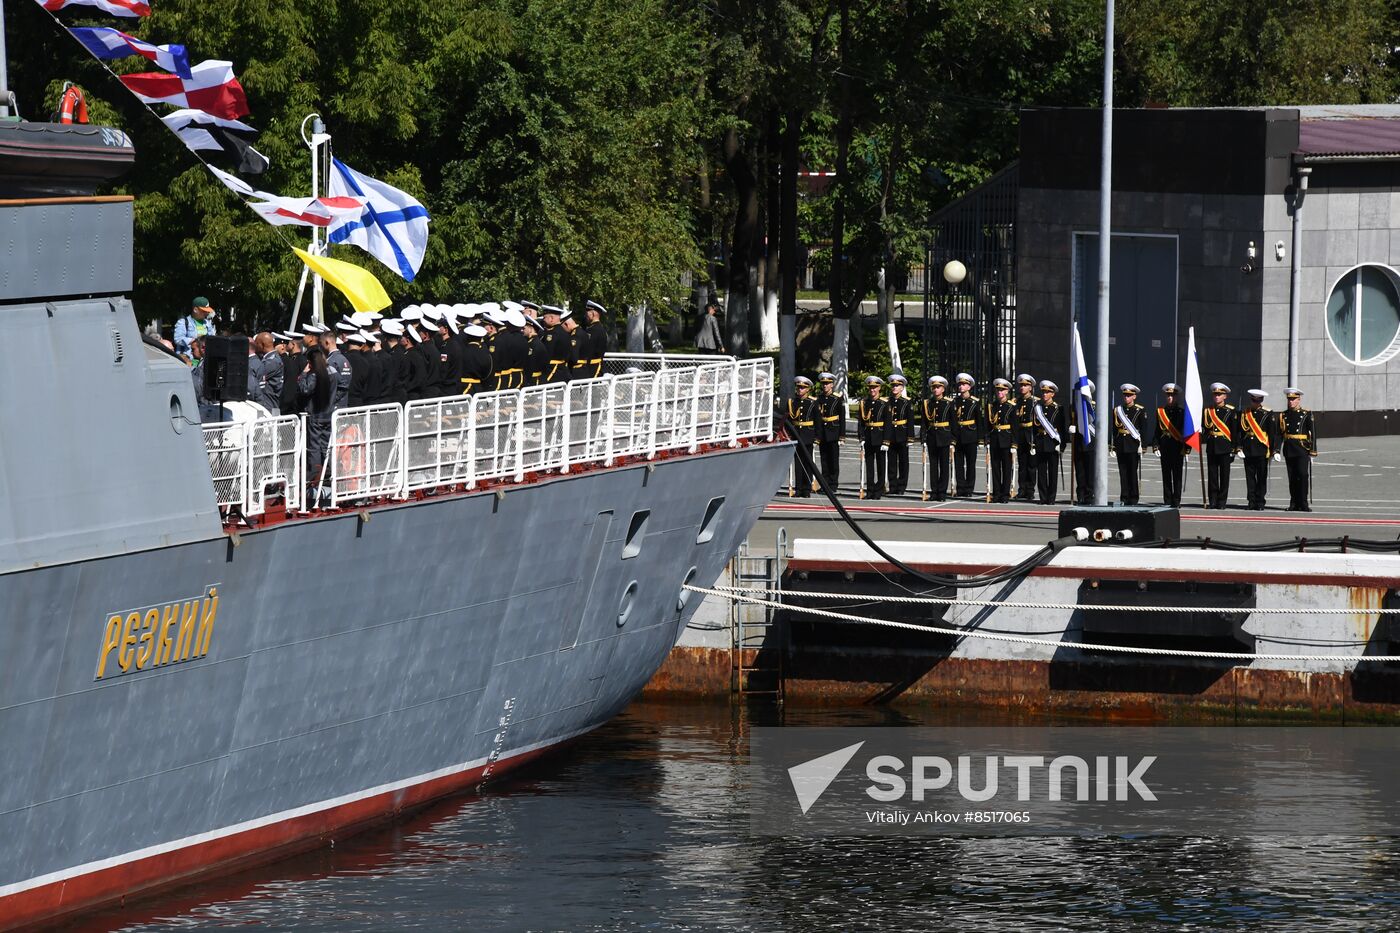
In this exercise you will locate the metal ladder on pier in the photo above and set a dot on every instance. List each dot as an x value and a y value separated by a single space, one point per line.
757 638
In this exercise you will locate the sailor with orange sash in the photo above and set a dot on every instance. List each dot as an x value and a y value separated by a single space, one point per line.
1170 444
1220 442
1258 440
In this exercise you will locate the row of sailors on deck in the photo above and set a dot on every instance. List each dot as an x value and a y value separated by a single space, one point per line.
428 351
1036 427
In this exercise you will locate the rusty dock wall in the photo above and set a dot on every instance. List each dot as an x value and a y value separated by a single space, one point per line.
827 662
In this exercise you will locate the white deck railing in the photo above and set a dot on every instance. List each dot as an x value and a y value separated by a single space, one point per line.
383 451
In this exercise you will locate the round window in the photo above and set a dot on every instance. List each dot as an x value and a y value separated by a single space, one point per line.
1363 315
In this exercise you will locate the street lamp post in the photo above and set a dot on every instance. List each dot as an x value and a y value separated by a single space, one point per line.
953 273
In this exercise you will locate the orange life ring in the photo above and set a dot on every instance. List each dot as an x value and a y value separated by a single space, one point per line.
72 106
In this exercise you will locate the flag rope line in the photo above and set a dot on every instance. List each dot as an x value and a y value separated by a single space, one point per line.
1016 604
1041 642
150 108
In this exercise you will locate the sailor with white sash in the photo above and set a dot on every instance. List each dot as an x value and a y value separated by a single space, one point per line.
1051 428
1129 421
1258 439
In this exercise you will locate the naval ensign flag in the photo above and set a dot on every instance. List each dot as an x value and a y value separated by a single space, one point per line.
393 227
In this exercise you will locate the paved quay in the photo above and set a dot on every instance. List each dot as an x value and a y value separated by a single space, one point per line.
1356 492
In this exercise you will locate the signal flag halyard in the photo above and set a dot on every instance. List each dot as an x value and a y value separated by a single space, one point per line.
211 88
107 43
115 7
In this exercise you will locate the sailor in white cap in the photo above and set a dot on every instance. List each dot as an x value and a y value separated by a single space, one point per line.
1220 441
938 438
510 350
969 427
423 358
1025 437
901 432
595 338
1257 440
1170 444
476 374
1299 442
556 345
575 347
325 383
362 387
449 377
1051 428
802 418
831 428
874 435
1001 427
1129 428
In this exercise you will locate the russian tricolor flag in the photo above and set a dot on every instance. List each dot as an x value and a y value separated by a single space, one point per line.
107 43
1195 398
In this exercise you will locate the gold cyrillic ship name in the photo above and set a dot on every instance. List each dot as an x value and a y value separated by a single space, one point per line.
144 639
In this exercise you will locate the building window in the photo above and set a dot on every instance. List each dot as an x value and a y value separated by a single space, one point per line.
1363 315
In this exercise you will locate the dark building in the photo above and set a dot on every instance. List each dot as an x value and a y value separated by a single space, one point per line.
1204 207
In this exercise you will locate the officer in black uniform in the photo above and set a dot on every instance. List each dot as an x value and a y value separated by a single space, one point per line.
831 428
1299 447
361 371
396 361
901 432
576 350
293 361
422 361
1129 423
1170 444
1258 440
874 434
449 356
802 412
938 436
1221 440
537 358
558 363
1051 426
1001 434
969 424
477 375
1024 435
597 337
1083 451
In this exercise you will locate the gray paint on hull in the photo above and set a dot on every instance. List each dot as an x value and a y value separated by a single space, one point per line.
346 654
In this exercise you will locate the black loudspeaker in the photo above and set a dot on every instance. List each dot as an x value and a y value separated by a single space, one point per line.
225 368
1144 522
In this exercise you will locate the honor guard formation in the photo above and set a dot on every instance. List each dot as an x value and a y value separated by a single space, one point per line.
1019 435
428 351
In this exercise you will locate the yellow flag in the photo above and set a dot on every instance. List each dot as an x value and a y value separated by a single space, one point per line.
360 286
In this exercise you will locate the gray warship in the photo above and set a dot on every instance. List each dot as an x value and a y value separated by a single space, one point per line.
198 672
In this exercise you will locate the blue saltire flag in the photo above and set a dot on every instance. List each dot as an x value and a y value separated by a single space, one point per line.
1083 394
393 227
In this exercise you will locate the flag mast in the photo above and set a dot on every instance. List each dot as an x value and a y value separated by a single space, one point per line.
314 142
1100 453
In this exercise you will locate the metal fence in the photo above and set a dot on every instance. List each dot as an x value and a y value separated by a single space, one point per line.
971 326
384 451
251 460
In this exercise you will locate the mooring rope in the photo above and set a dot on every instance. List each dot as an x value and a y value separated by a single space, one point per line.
1014 604
1041 642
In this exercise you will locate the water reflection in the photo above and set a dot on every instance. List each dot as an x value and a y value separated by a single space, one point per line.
643 824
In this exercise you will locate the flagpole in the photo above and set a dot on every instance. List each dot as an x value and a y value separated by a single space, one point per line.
4 68
1100 453
318 138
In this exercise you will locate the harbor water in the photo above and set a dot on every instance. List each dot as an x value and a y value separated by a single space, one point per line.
643 825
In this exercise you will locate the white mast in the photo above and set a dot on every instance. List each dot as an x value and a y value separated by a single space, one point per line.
318 138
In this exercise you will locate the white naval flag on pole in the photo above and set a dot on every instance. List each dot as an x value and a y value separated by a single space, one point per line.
393 227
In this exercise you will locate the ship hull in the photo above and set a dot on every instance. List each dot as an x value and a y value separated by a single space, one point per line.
337 670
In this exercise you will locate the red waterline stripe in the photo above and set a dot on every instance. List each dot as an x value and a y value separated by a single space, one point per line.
236 851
